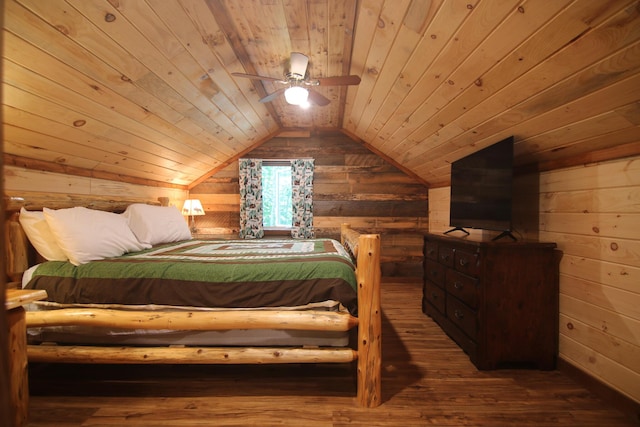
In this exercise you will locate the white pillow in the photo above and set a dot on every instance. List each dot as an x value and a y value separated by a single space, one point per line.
157 224
40 236
86 234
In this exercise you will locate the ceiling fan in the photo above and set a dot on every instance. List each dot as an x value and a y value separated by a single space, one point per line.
297 90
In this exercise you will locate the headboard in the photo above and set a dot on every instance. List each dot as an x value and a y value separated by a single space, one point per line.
19 254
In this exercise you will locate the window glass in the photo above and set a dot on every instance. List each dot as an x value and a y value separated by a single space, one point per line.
276 196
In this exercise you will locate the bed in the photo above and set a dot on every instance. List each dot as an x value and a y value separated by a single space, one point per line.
319 325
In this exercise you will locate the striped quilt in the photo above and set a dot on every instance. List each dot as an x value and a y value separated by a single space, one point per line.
205 273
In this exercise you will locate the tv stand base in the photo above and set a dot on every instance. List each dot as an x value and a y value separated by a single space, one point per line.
498 237
457 229
504 234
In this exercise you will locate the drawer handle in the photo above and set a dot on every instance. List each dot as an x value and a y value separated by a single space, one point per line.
434 295
431 252
445 257
464 262
458 285
458 314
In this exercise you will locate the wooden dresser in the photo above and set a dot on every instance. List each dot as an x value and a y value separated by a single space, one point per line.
497 300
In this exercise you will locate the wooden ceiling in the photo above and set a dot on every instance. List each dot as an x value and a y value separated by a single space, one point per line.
142 90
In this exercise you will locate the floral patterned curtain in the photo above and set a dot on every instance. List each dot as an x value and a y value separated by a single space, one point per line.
250 171
302 198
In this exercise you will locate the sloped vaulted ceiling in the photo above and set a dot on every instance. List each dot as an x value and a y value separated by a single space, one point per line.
143 90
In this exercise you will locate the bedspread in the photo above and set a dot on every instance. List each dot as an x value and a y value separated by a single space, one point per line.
202 273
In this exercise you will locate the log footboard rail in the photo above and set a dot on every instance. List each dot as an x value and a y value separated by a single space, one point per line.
368 355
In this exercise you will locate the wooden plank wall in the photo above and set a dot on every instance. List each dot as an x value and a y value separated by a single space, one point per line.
592 212
19 181
351 184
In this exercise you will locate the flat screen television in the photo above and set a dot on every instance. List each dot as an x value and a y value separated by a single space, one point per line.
481 190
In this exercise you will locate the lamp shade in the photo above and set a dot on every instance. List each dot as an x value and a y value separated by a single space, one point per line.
192 207
296 95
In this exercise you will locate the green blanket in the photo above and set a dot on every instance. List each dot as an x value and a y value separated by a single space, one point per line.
201 273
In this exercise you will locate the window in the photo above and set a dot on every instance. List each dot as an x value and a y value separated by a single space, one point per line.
288 193
276 195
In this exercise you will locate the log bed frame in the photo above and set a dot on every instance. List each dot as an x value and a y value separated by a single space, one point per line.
365 248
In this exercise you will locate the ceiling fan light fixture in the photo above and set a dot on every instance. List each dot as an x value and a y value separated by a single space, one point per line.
296 78
296 95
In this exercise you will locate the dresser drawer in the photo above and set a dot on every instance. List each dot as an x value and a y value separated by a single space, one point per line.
435 296
467 262
463 287
434 272
431 250
463 317
445 255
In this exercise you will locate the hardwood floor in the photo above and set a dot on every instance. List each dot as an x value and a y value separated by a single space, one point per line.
427 380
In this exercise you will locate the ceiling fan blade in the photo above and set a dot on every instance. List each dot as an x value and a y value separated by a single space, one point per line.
257 77
272 96
318 98
338 81
298 64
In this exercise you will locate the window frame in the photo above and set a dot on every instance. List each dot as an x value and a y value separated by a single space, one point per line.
276 230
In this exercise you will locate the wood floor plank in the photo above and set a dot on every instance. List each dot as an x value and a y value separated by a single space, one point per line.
427 380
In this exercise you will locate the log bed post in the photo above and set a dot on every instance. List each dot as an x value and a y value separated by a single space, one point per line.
16 251
369 321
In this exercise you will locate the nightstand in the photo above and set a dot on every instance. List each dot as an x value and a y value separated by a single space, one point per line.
18 364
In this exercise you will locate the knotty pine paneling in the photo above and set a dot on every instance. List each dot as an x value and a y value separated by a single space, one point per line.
591 212
598 204
18 181
145 90
351 184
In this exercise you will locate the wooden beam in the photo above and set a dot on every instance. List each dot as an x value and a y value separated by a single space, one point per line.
194 320
33 164
295 133
612 153
34 200
188 355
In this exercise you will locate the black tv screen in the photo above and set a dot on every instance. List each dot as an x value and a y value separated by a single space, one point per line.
481 188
